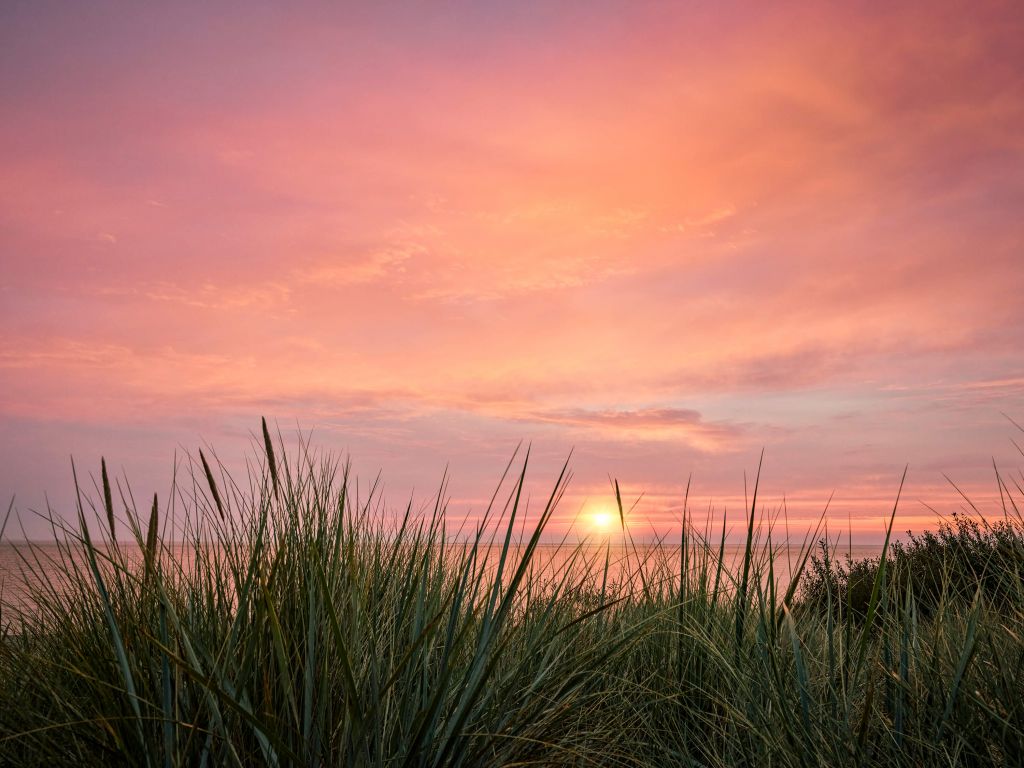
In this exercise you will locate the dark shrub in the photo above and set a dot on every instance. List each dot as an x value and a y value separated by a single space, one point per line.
949 565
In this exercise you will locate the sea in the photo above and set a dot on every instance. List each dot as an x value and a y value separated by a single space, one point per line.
25 566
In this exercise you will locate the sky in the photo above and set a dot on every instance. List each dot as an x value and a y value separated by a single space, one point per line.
663 236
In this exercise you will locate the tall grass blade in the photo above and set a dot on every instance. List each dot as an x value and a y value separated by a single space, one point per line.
213 484
268 445
966 654
108 502
741 595
115 633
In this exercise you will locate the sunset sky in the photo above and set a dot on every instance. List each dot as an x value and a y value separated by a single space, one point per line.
664 235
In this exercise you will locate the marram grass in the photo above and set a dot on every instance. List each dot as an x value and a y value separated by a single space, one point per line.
293 621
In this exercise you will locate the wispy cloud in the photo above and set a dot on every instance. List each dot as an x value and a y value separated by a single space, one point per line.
220 297
671 424
732 227
388 263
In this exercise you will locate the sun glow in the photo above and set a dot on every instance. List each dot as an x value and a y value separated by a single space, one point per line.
601 519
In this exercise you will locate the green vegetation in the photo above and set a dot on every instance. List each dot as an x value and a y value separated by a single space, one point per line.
300 624
965 558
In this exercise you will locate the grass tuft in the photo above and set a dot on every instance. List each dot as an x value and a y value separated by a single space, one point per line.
289 620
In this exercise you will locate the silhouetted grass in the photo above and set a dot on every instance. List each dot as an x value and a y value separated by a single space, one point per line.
292 621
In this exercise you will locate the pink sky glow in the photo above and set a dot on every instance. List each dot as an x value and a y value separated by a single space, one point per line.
665 235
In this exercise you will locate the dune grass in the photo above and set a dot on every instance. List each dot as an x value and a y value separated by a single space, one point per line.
293 620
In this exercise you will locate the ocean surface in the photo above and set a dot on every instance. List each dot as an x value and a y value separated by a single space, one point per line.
24 567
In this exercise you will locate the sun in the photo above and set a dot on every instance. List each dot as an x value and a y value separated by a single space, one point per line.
601 519
598 519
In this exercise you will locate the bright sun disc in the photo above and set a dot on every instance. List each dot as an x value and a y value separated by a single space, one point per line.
601 519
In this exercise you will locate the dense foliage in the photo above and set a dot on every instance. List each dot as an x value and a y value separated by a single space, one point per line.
965 558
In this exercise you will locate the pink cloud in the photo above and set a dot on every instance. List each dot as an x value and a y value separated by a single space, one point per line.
624 229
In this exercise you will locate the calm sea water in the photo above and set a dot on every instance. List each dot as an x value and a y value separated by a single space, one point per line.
22 567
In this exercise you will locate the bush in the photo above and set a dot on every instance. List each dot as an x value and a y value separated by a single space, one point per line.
965 557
